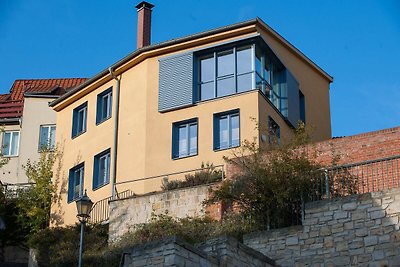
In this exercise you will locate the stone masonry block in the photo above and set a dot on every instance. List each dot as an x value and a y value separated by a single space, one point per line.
370 240
349 206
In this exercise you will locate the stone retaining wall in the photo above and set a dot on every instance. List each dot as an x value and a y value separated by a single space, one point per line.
361 230
179 203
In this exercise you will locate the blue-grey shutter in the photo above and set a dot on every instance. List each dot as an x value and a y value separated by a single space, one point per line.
293 99
175 82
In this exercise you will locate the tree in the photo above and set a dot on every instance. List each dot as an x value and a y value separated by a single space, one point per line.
35 201
272 181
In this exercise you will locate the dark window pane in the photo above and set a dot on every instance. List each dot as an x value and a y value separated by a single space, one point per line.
244 60
225 63
207 69
225 87
207 91
244 82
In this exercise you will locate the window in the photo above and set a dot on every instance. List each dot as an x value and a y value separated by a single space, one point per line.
75 183
47 138
226 130
10 144
184 139
101 170
104 104
225 72
79 120
302 105
274 132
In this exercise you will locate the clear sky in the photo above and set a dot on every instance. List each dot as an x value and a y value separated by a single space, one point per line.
356 42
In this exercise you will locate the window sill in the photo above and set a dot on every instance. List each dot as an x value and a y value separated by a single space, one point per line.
77 135
100 186
185 157
10 156
103 120
225 148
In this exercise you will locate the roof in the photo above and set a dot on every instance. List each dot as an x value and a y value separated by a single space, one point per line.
254 22
11 104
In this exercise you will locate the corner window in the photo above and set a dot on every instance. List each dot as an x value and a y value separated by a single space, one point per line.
79 118
225 72
75 182
47 137
226 130
101 170
274 132
10 145
184 139
302 105
104 105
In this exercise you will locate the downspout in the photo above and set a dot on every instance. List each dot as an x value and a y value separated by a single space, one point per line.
115 143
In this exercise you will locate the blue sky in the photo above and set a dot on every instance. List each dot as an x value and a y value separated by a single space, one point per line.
357 42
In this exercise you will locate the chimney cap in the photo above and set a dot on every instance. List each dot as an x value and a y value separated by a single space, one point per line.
144 4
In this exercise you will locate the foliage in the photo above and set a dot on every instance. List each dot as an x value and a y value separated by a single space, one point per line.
272 182
208 174
35 201
191 229
59 246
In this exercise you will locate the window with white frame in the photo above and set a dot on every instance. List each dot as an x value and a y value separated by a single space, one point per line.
75 183
10 144
79 118
47 137
104 106
101 170
184 138
226 130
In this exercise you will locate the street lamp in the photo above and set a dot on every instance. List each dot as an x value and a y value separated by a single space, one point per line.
84 207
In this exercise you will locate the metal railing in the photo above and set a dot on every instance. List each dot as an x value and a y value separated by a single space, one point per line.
12 190
101 211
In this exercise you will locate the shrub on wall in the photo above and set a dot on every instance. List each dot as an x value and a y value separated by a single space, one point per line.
208 174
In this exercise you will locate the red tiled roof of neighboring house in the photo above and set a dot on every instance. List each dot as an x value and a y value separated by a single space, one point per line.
11 105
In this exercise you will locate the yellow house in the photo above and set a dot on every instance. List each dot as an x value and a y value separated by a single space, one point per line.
168 107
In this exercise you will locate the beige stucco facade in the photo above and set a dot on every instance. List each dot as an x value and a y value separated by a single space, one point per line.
36 113
145 134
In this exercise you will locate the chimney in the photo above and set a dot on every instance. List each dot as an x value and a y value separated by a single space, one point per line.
144 24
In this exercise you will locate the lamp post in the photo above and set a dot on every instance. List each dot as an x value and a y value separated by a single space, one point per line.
84 207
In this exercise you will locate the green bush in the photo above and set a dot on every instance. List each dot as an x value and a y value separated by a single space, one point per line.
207 175
59 247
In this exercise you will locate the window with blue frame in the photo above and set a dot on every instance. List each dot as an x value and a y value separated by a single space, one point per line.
104 106
184 138
274 132
226 130
75 182
225 72
79 117
101 169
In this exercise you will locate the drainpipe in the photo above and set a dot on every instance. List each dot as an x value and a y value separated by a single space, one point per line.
115 143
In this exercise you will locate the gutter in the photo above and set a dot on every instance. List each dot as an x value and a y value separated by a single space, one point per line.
115 141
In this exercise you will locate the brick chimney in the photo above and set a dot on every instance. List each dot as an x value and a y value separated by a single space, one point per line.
144 24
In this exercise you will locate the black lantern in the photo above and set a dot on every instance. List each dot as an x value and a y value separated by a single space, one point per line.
84 207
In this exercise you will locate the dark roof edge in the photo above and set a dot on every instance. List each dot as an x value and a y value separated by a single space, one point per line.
148 48
39 95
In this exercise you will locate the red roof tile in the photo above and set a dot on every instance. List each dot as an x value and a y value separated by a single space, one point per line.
11 105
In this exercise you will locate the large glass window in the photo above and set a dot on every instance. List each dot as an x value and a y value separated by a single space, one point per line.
10 144
104 104
226 130
101 170
75 183
47 138
184 139
302 105
225 72
79 118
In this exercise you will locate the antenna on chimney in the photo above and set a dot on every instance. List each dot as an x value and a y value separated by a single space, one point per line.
144 24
